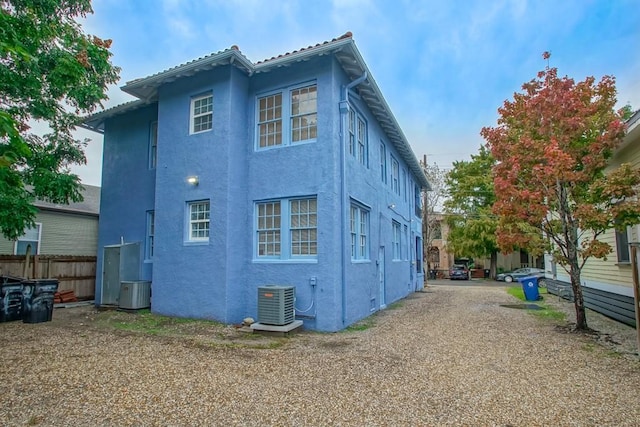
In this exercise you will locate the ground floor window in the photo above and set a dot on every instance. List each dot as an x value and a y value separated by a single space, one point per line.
31 237
359 227
294 221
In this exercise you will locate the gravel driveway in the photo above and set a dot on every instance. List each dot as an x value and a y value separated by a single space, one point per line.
448 356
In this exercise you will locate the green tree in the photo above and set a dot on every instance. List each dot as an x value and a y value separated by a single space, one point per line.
53 73
472 224
552 145
433 199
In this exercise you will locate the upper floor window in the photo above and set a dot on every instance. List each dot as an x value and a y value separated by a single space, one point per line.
383 162
289 220
395 176
304 114
358 142
201 113
199 221
270 120
405 185
352 132
417 199
301 123
31 237
359 226
153 145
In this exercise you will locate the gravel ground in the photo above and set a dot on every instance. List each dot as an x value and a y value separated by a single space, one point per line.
450 355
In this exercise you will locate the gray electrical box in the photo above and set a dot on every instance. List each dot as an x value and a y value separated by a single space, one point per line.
119 263
276 305
134 294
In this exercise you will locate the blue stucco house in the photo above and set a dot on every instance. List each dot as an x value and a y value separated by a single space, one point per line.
231 175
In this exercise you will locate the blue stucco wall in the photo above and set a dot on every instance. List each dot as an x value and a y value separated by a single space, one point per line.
190 279
128 184
219 279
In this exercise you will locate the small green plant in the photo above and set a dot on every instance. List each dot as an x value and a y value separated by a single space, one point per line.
34 420
362 325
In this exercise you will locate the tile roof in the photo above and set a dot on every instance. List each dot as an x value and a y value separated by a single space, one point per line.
346 35
342 47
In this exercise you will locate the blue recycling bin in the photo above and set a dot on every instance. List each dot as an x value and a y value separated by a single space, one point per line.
530 288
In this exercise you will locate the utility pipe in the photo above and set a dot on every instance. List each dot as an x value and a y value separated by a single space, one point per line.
344 110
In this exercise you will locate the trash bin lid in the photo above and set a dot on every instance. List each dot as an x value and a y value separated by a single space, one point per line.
527 279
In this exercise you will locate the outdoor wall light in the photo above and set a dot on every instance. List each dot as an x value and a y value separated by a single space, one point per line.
392 206
193 180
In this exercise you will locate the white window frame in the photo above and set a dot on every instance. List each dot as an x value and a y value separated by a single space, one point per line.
38 242
288 231
284 124
199 114
358 136
383 162
359 220
396 240
153 145
623 253
150 235
395 175
205 220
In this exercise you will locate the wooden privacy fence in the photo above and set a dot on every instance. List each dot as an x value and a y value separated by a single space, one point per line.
74 273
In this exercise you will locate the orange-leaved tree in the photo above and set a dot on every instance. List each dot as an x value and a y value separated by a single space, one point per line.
552 145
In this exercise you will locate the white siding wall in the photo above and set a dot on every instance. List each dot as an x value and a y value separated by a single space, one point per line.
63 234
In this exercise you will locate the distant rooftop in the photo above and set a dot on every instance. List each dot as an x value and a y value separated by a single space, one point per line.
90 205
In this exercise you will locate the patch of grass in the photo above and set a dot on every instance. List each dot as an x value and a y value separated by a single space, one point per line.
145 322
546 312
362 325
395 305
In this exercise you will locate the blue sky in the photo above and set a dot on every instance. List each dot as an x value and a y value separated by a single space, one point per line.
443 66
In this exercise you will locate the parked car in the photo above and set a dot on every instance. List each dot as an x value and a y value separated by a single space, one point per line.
510 276
458 271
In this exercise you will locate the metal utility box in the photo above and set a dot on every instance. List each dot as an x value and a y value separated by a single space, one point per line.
119 263
276 304
134 294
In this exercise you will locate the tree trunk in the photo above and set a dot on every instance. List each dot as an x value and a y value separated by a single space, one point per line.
493 266
570 232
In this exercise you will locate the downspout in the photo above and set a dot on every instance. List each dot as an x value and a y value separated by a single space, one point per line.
344 110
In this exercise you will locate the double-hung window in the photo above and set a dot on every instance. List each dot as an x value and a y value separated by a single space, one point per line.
288 117
201 113
270 120
383 162
622 246
153 145
150 235
395 176
294 221
396 240
30 237
359 227
199 221
304 113
358 141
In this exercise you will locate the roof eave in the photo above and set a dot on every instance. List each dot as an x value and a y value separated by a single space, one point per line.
95 122
147 88
372 95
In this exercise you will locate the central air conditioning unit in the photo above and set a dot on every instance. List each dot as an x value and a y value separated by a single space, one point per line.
276 305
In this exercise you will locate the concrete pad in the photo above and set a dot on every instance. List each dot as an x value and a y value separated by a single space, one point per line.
277 330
